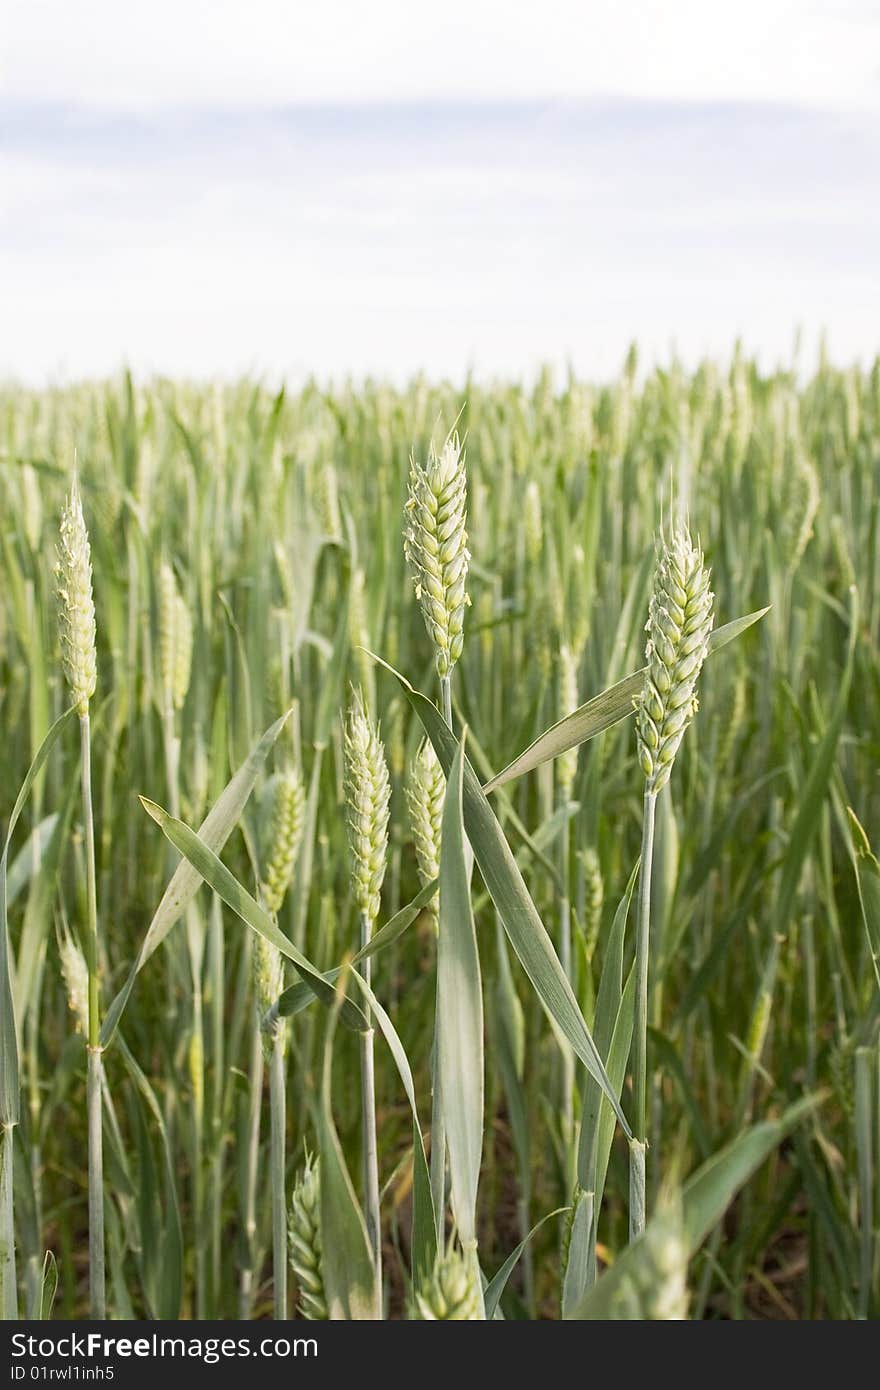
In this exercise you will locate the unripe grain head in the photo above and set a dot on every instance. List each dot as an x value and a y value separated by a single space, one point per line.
282 814
679 624
425 791
304 1242
567 762
368 796
594 897
175 640
449 1293
76 607
268 968
76 981
435 542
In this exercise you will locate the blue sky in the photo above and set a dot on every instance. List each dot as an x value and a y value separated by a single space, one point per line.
259 204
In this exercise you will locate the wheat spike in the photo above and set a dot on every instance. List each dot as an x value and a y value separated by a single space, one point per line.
327 501
175 640
567 762
534 523
799 503
449 1293
268 970
304 1241
425 790
732 721
75 974
283 808
75 603
435 542
594 897
368 795
655 1287
167 614
183 643
679 623
578 588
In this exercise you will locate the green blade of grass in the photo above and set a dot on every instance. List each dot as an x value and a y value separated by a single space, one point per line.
9 1064
347 1262
214 832
508 891
867 871
498 1283
708 1193
603 711
235 895
424 1233
460 1014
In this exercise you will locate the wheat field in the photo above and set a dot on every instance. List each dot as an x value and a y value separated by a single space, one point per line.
298 1021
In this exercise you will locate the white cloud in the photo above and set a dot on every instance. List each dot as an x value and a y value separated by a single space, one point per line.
167 203
277 52
293 244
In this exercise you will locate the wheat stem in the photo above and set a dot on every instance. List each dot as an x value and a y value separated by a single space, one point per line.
368 788
252 1151
97 1277
640 1025
864 1066
278 1120
8 1284
438 1121
368 1120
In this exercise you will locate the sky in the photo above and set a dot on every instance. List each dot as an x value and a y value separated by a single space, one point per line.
378 189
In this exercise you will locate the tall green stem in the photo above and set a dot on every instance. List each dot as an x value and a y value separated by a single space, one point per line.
278 1118
446 699
438 1134
640 1028
249 1214
97 1279
218 1072
438 1123
8 1284
865 1160
197 1041
368 1118
197 1081
568 1067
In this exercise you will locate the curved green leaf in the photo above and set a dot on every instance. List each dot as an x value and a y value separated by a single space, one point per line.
214 831
498 1283
708 1193
9 1078
868 879
347 1262
235 895
170 1288
424 1236
600 713
460 1013
519 916
28 860
647 1281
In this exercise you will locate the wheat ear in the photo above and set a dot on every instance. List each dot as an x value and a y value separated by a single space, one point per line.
449 1292
76 610
368 797
679 623
435 543
304 1235
282 810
